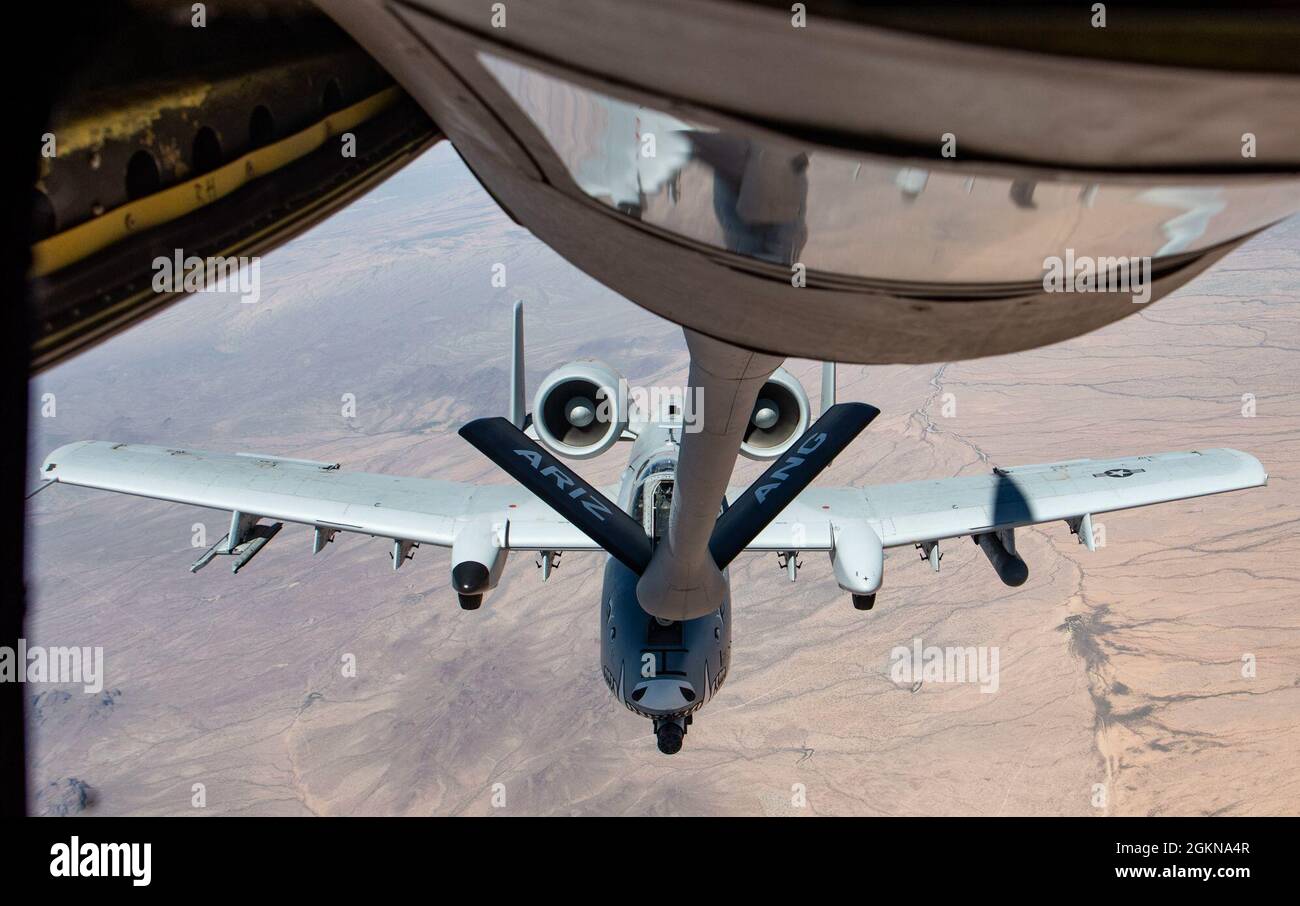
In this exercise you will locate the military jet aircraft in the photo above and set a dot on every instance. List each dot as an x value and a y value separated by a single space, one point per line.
896 174
670 529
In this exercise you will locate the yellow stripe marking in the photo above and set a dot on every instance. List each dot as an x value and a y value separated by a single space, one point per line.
85 239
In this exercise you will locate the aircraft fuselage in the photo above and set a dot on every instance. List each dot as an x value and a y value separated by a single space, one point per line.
664 670
661 670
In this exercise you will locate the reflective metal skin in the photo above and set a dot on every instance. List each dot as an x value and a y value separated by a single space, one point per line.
855 216
850 190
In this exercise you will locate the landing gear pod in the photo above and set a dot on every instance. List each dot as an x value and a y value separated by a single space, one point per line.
864 602
477 559
858 560
470 579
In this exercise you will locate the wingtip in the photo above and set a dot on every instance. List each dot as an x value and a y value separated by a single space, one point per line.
50 464
1252 468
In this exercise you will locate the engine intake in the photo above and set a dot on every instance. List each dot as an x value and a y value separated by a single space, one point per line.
578 411
781 414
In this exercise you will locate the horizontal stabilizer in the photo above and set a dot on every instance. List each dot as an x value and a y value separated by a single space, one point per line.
777 488
590 511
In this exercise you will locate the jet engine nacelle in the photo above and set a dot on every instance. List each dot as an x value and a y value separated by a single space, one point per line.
578 411
781 414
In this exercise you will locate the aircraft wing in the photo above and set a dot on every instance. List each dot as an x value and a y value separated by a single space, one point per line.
483 522
920 512
411 510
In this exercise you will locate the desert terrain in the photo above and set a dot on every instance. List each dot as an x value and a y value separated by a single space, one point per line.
1123 683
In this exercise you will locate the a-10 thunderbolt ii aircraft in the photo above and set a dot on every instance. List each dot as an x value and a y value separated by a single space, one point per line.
665 608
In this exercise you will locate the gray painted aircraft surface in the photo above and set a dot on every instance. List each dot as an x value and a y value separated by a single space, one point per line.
671 526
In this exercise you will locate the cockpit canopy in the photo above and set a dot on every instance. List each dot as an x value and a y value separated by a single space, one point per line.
653 501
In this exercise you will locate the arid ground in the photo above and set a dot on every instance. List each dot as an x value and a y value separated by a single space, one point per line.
1158 675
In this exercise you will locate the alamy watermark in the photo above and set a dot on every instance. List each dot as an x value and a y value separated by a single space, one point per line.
922 664
216 274
75 859
1107 274
39 664
666 405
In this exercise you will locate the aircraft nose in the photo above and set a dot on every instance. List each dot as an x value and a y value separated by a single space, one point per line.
664 694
